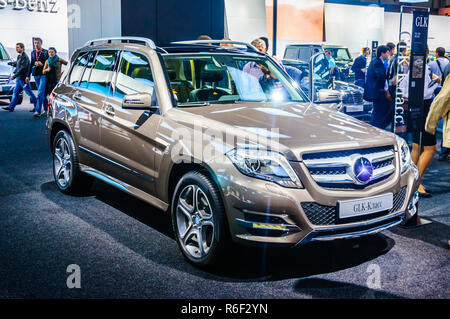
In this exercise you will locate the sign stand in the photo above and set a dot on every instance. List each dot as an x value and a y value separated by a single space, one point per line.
414 116
374 49
415 222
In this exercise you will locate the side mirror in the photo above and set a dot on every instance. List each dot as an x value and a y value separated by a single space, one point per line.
139 101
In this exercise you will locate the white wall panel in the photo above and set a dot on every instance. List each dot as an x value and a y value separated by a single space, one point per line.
353 26
246 19
91 19
438 30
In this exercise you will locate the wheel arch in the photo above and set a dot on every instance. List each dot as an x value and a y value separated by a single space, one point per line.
178 170
55 128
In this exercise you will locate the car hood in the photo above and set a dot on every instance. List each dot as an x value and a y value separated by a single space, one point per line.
296 127
5 69
341 85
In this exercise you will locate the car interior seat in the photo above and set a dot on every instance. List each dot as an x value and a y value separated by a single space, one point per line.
179 87
210 74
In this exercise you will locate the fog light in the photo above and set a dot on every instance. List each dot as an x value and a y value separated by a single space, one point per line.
412 204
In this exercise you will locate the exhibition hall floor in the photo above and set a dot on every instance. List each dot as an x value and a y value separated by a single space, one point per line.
125 247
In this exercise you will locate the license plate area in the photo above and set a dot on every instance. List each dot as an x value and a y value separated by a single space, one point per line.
348 210
354 108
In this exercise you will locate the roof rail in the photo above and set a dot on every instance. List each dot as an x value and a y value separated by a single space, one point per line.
249 46
146 41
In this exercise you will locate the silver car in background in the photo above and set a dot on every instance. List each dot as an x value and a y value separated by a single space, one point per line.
6 70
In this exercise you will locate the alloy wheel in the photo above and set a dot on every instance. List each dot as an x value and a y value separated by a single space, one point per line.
195 222
62 162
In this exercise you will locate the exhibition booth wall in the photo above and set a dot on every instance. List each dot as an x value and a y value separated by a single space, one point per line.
68 24
63 24
23 20
438 29
349 25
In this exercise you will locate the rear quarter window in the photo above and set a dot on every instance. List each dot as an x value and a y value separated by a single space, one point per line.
78 67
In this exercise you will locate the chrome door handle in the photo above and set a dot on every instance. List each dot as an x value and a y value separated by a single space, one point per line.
109 109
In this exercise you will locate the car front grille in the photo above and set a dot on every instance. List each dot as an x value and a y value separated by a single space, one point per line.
321 215
4 80
334 170
353 98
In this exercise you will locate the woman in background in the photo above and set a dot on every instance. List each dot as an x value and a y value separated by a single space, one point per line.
52 69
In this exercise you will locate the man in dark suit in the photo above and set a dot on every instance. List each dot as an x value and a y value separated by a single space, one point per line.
359 67
376 90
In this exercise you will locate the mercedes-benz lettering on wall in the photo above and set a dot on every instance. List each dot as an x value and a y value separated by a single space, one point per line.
50 6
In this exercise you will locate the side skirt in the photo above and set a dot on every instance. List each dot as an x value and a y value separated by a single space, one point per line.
125 187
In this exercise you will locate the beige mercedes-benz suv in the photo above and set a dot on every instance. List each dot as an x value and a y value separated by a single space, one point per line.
219 136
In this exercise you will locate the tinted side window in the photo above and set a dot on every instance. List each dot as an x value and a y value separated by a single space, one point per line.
87 70
101 74
291 53
78 67
134 76
304 54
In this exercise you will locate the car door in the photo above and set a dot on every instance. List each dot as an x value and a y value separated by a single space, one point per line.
88 108
128 135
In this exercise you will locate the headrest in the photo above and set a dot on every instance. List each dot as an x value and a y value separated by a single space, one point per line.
142 73
172 74
211 73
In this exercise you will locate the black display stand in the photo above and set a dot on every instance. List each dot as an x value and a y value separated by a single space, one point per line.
374 49
414 118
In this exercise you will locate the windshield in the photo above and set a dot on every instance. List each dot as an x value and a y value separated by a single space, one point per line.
340 54
3 54
227 78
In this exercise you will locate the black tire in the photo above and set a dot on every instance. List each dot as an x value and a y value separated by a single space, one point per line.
220 238
76 183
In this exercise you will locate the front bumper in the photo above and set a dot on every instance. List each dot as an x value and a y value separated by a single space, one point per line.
369 227
262 213
6 91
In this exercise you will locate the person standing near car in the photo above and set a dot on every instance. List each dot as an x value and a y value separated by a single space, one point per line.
423 139
21 72
52 69
359 67
438 66
38 57
440 108
331 63
391 53
376 90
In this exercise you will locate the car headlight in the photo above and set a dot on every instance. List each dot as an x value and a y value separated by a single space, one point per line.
405 154
266 165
